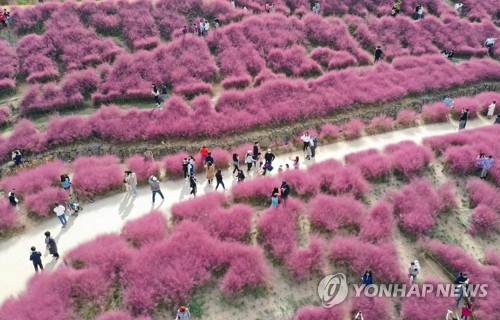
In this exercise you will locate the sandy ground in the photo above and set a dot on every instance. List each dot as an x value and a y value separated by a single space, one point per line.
110 214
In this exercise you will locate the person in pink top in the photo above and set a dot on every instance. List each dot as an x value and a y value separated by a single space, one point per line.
467 311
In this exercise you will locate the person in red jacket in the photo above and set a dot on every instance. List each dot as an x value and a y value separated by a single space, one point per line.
467 311
204 152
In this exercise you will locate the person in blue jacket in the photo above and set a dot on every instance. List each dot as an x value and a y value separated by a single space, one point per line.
367 278
36 258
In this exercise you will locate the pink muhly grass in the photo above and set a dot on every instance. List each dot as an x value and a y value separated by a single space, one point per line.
372 307
9 218
233 223
306 261
259 190
67 129
42 202
143 168
277 227
26 137
114 315
108 253
483 220
353 128
329 131
34 180
436 112
374 166
301 181
379 223
406 117
148 229
333 213
461 159
345 180
358 256
409 166
173 164
447 195
320 313
482 193
380 124
417 206
412 307
96 175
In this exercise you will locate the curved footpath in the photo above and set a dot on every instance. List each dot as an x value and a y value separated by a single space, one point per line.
110 214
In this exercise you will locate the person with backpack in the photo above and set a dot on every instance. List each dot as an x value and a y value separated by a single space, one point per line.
155 187
285 191
219 179
51 245
36 259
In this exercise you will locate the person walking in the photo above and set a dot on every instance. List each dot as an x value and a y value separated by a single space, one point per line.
193 184
36 258
274 198
164 93
13 200
60 212
206 26
210 172
255 153
467 311
378 53
367 278
487 164
285 191
51 245
183 314
219 179
249 160
491 109
306 139
236 163
131 180
308 153
155 187
413 271
209 158
479 161
314 145
463 119
204 152
184 31
240 176
17 157
185 167
202 27
156 94
191 165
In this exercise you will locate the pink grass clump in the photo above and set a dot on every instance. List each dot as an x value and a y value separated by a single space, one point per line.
333 213
372 164
293 61
34 180
256 189
305 261
42 202
148 229
9 218
358 256
352 129
447 195
115 315
345 180
372 307
483 220
25 137
406 117
143 168
277 228
320 313
482 193
435 112
173 164
67 129
409 166
4 114
301 182
329 131
233 223
417 206
8 59
380 124
379 223
96 175
434 306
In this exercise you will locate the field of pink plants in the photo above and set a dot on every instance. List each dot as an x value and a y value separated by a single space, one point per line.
255 69
349 217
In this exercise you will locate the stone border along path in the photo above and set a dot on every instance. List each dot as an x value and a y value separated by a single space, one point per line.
108 215
264 133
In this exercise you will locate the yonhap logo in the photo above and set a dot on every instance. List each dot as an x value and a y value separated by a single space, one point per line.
333 289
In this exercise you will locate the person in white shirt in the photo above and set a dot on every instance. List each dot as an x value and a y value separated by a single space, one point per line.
60 212
458 7
491 109
249 160
489 43
306 138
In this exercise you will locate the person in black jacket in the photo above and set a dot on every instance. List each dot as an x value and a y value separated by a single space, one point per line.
378 53
285 191
36 258
240 176
192 184
51 245
463 119
255 152
269 156
218 178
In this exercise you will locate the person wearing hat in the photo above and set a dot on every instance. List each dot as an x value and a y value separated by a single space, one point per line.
249 160
155 187
183 313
